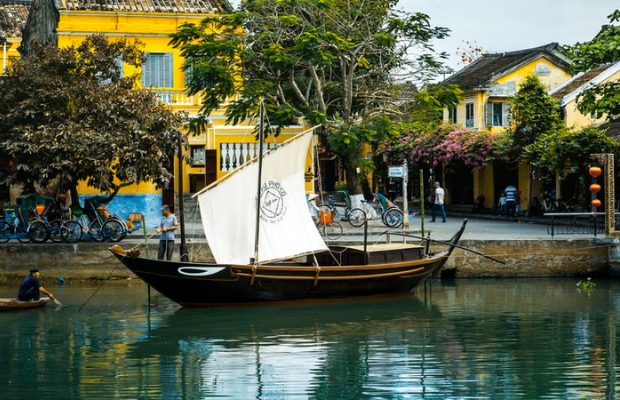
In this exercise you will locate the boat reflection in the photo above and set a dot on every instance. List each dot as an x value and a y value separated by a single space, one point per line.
295 350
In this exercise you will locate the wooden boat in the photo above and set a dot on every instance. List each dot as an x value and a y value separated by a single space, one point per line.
14 304
267 247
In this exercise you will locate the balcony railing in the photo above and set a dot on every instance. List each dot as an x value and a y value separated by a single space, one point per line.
180 98
234 155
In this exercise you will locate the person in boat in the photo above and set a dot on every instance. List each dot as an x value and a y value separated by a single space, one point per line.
167 227
31 289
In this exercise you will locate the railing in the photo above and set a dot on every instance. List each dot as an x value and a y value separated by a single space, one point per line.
180 98
234 155
575 223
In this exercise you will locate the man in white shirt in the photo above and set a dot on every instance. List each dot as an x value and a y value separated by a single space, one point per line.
439 197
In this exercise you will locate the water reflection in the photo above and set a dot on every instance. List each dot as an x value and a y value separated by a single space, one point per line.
478 338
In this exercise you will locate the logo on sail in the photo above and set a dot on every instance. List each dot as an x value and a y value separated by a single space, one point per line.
272 201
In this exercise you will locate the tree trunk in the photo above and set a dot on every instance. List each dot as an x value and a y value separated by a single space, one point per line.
41 26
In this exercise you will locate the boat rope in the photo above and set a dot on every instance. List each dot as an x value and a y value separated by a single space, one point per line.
95 292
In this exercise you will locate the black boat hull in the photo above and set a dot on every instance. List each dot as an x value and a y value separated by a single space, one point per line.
200 284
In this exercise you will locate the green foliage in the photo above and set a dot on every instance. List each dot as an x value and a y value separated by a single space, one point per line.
602 99
69 113
556 150
534 113
329 61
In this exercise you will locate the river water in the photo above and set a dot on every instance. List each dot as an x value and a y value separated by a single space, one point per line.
499 339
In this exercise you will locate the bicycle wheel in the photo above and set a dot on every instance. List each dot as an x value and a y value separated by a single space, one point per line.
357 217
21 231
5 231
54 227
393 218
333 230
113 230
94 230
38 232
71 231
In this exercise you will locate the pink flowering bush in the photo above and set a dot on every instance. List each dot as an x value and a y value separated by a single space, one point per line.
443 145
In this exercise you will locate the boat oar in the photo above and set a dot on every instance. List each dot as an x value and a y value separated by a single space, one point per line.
457 246
57 302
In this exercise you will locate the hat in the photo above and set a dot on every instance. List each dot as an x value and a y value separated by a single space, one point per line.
312 196
436 184
165 207
32 271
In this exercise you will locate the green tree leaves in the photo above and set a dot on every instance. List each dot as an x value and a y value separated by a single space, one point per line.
70 113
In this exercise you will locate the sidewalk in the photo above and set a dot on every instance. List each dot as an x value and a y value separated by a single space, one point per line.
479 227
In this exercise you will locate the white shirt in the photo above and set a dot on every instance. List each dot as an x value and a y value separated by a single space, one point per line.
439 193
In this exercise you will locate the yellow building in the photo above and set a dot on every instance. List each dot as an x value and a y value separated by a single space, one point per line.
487 85
221 149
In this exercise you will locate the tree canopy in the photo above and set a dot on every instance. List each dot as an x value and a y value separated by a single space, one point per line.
533 113
332 62
602 99
554 151
70 114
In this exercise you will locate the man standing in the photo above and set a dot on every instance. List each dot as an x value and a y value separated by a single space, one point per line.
511 194
438 204
167 227
31 289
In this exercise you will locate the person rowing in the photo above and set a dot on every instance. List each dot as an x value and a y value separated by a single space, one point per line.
31 289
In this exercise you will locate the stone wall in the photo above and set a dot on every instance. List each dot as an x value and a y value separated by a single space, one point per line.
524 258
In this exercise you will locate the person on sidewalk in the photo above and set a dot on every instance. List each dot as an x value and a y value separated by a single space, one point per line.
31 289
511 196
167 227
502 205
439 200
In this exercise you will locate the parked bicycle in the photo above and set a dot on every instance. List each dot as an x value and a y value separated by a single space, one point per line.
391 215
326 224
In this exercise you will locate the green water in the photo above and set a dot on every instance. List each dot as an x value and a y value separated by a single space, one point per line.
499 339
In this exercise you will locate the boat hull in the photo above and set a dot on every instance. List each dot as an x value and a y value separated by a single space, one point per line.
14 304
200 284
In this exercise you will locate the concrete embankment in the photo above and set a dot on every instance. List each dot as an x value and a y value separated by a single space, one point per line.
523 258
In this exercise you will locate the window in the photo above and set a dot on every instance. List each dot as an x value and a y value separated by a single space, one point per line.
196 74
198 156
157 71
452 115
469 115
497 114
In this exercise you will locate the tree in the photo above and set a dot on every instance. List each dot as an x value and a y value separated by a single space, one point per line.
533 113
602 99
556 150
331 62
69 114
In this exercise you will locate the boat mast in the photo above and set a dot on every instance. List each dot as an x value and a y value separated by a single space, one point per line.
261 138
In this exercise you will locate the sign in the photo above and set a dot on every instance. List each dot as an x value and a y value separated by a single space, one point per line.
396 171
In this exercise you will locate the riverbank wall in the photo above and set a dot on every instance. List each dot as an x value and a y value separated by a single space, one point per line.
522 258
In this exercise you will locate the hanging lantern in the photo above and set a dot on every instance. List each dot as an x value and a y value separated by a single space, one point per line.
595 188
596 203
595 172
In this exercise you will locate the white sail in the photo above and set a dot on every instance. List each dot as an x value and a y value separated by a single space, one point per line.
228 210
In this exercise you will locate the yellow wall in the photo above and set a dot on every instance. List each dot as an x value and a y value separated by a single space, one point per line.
574 118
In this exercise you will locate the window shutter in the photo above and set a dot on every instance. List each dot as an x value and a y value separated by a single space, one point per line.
505 114
489 114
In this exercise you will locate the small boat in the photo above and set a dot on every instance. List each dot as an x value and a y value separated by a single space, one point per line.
14 304
267 247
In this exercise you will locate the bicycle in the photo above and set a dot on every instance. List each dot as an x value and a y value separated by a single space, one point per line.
391 215
326 224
